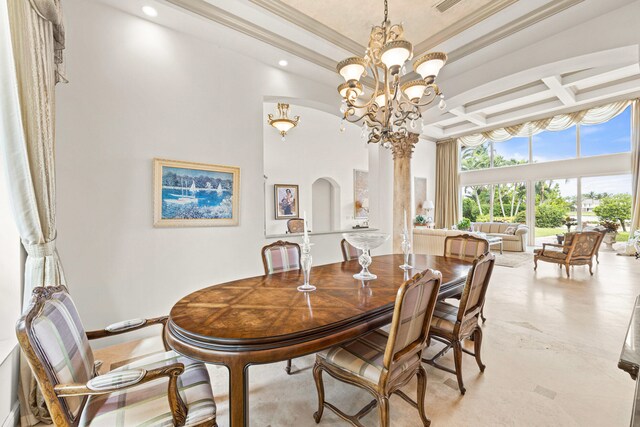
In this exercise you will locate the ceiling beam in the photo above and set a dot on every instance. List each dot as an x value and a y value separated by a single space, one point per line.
475 118
525 21
564 94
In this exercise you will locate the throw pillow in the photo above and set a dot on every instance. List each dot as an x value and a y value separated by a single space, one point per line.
510 230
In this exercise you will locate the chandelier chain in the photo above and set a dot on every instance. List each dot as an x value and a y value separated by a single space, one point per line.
386 10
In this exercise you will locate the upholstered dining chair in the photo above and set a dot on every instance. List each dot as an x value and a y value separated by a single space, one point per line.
578 249
452 325
279 257
349 251
161 390
382 363
467 247
295 225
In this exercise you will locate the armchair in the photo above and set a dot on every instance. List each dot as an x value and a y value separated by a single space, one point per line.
578 249
57 348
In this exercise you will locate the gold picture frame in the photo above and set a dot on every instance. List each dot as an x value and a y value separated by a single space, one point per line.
190 194
286 209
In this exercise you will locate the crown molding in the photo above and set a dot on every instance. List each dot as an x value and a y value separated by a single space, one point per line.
221 16
306 22
462 25
544 12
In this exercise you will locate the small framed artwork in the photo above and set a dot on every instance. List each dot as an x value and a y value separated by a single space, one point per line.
420 195
360 194
286 201
190 194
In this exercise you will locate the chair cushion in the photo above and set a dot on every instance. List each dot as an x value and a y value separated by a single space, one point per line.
147 404
445 316
548 253
363 356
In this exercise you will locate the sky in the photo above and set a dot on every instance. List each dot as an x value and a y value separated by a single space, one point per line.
197 172
613 136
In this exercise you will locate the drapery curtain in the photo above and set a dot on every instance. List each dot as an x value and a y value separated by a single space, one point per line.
635 165
591 116
447 206
32 41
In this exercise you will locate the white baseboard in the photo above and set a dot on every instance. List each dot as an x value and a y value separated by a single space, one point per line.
13 419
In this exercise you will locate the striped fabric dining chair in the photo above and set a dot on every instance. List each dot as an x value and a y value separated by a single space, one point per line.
349 251
279 257
465 246
383 363
164 389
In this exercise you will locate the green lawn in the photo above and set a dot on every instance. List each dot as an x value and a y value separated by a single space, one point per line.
623 236
545 232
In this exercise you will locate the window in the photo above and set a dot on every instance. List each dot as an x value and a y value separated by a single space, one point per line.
474 158
510 202
607 198
559 145
555 208
514 151
610 137
476 202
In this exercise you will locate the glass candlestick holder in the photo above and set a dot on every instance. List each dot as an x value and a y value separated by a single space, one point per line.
305 264
406 250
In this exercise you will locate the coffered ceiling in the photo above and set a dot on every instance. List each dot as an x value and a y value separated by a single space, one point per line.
313 35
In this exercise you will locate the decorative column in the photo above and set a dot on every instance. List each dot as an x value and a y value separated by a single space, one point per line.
402 150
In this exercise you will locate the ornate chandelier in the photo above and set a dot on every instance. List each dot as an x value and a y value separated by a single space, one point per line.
393 103
283 123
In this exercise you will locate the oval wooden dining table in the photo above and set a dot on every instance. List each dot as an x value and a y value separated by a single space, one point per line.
265 319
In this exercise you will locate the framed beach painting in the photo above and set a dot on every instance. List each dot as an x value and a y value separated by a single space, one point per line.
287 202
360 194
190 194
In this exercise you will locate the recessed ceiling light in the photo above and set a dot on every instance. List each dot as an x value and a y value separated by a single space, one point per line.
283 63
150 11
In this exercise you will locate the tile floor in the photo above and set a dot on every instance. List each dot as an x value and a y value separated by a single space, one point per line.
551 346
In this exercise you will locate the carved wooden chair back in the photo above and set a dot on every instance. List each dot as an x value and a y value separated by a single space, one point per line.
415 303
349 251
465 246
55 343
475 289
295 225
584 245
281 256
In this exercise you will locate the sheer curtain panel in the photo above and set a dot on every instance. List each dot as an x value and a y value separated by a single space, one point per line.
31 42
447 206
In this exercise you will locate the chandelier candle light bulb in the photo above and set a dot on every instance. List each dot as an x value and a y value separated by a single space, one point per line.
393 105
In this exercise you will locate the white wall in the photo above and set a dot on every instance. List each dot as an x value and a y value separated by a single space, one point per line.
314 149
138 91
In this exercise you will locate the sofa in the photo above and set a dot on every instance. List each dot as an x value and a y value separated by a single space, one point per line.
514 242
431 241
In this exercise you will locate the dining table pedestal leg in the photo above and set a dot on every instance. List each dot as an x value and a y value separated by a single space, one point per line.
238 394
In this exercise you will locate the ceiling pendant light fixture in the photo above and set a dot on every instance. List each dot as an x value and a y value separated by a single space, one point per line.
283 123
393 102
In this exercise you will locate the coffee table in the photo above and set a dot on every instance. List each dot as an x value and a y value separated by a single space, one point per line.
494 240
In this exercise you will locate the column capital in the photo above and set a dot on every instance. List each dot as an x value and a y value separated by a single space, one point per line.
402 148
